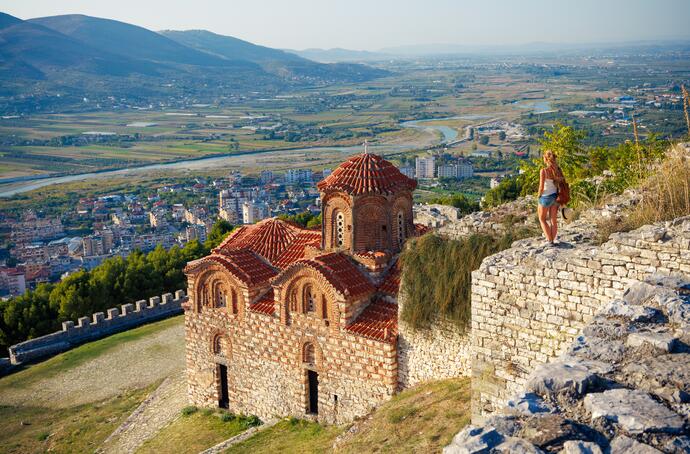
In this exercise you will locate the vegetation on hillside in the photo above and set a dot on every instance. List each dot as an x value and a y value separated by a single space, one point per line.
628 162
438 275
116 281
305 219
463 203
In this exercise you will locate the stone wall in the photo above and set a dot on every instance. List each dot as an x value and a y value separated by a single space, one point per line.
621 387
267 371
530 301
97 326
442 351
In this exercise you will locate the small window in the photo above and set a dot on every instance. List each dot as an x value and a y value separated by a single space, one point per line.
234 301
324 307
401 228
309 353
309 299
340 229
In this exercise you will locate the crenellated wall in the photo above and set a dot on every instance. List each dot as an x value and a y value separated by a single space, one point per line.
98 326
530 301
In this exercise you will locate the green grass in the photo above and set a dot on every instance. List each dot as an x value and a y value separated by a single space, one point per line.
290 436
193 432
423 419
82 354
78 429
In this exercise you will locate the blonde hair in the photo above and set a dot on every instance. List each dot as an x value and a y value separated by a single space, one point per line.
552 164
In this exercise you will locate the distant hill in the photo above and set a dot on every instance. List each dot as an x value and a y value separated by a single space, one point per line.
274 61
31 50
337 55
79 56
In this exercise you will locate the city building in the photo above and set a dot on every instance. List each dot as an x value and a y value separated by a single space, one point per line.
457 170
254 211
294 176
283 320
12 281
408 171
157 219
425 167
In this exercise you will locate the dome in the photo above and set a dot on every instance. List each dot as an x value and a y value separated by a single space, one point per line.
367 173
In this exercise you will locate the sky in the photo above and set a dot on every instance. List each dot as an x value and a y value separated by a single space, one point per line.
376 24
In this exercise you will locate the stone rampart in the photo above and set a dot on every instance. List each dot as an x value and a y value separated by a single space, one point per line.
621 387
529 302
97 326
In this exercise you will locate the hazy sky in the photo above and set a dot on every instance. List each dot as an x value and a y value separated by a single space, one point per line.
373 24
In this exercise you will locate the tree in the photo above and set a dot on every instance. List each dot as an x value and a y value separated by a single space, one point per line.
219 231
484 140
502 135
460 201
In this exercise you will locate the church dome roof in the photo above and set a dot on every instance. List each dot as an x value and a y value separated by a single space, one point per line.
367 173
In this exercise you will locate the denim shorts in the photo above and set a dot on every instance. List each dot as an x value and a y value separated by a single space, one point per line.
547 200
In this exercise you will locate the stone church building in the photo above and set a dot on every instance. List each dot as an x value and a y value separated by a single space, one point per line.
283 320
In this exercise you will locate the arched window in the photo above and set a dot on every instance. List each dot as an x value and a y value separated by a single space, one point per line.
219 345
401 228
234 301
324 307
308 299
292 300
309 353
339 229
220 299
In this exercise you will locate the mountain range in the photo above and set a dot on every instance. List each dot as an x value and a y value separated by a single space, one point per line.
76 54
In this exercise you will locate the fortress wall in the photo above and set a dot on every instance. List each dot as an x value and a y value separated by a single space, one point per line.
97 326
442 351
530 301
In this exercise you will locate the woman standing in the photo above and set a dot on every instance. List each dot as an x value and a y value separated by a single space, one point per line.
550 178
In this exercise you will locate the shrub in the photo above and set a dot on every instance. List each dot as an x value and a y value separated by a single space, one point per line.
190 410
253 421
463 203
437 276
227 417
666 196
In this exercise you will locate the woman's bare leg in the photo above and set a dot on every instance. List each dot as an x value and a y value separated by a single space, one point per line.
543 213
553 214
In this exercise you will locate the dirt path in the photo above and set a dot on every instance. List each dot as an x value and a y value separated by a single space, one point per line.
156 412
133 364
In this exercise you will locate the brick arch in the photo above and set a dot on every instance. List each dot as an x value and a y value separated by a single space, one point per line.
402 207
295 295
309 349
333 205
220 344
208 286
372 225
289 288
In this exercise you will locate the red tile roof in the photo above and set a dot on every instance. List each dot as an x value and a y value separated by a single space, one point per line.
367 174
421 229
341 273
280 242
391 283
295 250
379 321
244 264
265 304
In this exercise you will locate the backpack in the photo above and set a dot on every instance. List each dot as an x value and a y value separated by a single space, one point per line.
563 196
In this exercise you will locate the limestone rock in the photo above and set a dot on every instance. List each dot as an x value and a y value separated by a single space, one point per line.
514 445
640 292
635 313
580 447
504 424
664 341
667 376
528 404
678 445
596 348
474 440
626 445
550 432
633 410
554 378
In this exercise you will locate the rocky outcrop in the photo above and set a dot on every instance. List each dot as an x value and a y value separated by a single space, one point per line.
622 386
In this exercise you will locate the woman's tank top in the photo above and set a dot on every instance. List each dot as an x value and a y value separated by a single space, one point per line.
549 185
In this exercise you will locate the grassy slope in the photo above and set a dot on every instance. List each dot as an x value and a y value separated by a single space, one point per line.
79 428
421 419
82 354
194 433
76 429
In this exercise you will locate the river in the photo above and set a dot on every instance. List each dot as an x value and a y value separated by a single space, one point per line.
24 184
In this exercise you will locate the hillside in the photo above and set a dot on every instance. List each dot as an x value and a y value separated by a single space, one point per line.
80 57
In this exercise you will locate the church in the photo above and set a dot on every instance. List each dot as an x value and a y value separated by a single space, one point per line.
287 321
